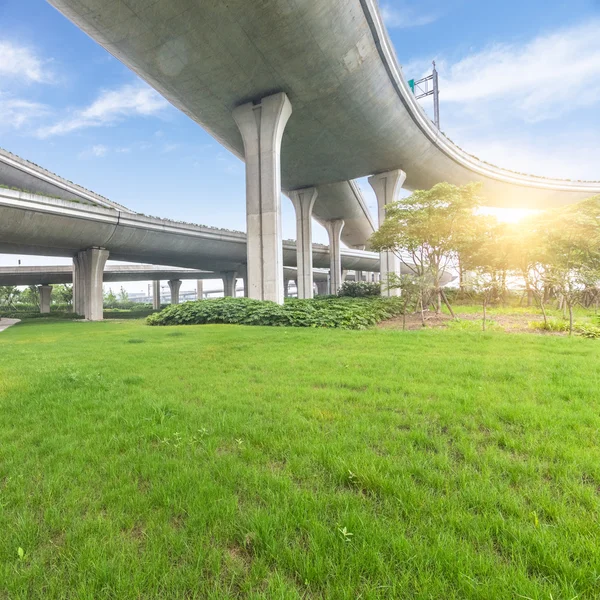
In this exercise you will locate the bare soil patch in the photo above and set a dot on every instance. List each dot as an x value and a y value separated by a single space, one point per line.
511 323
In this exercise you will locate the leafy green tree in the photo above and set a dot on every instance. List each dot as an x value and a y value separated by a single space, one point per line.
110 299
488 258
571 241
9 295
63 293
30 295
123 295
430 228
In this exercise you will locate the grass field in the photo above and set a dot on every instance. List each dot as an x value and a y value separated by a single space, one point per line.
248 462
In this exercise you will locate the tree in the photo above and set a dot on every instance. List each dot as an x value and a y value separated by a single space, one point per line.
110 299
488 257
63 293
30 295
571 240
429 227
123 295
8 295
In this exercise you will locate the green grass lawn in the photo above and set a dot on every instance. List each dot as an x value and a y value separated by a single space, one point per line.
248 462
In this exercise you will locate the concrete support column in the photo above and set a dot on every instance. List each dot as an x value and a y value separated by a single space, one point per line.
45 292
386 187
174 286
156 295
245 284
88 295
261 126
358 275
229 280
334 230
303 201
200 289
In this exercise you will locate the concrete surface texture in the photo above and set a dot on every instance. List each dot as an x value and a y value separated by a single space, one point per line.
32 224
18 173
175 286
261 126
334 231
303 201
45 292
64 274
5 323
353 112
387 187
88 296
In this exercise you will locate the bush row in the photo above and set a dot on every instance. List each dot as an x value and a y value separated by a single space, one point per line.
332 312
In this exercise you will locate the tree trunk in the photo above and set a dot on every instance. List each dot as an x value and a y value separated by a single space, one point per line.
540 298
484 311
443 295
570 318
422 309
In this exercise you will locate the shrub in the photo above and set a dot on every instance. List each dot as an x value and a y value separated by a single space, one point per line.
587 330
359 289
342 313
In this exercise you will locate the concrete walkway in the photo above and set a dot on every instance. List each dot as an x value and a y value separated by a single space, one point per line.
6 323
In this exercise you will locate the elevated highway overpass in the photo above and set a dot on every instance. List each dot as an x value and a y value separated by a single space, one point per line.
38 225
309 94
44 277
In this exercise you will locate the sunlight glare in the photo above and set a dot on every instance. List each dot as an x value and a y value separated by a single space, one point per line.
507 215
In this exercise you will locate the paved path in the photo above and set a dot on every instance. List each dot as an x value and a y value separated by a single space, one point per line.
6 323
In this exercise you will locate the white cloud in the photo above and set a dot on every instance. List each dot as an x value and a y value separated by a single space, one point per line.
15 113
404 16
542 79
99 150
20 62
111 107
565 155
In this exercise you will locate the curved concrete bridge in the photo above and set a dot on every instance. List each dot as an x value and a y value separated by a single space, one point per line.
310 94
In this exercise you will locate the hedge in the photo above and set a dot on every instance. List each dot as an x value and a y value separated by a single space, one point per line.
332 312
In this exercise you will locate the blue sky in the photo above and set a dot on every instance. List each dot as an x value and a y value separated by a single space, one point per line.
520 87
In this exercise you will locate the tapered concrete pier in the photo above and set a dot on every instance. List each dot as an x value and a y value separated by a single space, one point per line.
229 280
174 286
156 294
88 294
261 126
334 230
387 187
303 201
45 292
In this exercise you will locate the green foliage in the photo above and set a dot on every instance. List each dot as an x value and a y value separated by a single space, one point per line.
587 330
9 294
332 312
110 299
62 294
359 289
430 226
